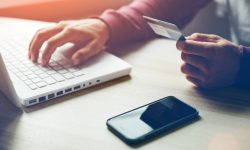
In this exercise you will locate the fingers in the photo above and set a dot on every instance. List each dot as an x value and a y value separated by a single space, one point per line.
53 43
196 61
192 71
204 37
85 53
60 39
193 80
40 37
199 44
89 35
203 49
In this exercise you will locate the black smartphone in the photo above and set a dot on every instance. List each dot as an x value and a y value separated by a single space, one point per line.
146 122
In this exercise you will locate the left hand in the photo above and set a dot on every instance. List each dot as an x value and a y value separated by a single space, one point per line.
210 61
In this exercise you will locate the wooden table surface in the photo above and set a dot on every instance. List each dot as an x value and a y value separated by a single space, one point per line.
77 121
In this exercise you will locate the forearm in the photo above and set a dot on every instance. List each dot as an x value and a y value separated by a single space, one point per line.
243 78
127 24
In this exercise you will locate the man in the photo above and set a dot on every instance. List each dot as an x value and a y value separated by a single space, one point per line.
209 60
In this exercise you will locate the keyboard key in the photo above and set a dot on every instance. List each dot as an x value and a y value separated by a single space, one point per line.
25 61
23 78
49 80
68 75
14 70
21 65
27 72
58 77
19 74
32 76
18 56
41 84
35 68
78 73
28 82
51 72
38 72
23 69
43 75
30 65
36 80
62 71
14 62
43 68
32 86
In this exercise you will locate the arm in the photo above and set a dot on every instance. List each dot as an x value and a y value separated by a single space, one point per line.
243 78
89 36
127 24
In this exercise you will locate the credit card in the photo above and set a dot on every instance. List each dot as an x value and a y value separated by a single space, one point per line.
165 29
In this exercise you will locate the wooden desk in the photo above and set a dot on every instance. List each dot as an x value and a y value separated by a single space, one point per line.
77 121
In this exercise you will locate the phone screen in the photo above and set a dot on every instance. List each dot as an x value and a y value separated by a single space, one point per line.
151 117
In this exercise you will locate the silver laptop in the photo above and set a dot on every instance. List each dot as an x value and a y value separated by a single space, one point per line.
27 84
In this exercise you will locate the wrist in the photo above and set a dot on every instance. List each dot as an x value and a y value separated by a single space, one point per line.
243 77
105 30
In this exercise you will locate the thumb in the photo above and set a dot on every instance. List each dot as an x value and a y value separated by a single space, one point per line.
203 37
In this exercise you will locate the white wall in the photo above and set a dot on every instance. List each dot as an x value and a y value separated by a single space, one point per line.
208 22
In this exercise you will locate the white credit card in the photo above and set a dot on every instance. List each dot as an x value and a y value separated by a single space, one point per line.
165 29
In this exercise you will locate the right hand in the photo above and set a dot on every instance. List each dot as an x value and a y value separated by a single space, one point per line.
89 36
210 61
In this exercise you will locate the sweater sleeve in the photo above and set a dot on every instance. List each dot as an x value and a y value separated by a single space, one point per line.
243 78
126 24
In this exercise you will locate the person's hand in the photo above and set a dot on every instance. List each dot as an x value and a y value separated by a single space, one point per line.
209 60
89 36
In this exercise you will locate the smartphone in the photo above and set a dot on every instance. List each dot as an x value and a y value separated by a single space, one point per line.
146 122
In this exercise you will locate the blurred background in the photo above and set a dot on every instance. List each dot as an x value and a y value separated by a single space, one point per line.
55 10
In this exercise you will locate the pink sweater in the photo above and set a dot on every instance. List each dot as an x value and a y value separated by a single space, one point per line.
127 24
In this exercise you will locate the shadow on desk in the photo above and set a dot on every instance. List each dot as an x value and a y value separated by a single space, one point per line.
9 119
229 100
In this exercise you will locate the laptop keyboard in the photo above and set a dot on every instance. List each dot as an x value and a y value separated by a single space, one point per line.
35 76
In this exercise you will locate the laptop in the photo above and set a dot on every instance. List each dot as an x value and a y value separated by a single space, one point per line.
25 83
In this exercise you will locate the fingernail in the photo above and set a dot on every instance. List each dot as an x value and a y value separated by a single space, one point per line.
76 62
33 59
